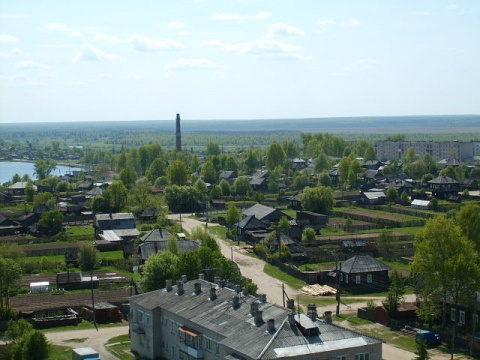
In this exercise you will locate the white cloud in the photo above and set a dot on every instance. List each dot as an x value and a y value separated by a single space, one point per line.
57 27
4 38
182 64
173 24
367 63
421 14
90 54
239 18
13 53
284 30
254 47
75 33
352 22
325 21
356 66
106 38
452 7
143 43
29 65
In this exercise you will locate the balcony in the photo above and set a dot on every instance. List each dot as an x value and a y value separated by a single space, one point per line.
191 351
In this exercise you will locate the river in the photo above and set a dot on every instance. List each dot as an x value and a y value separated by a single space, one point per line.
9 168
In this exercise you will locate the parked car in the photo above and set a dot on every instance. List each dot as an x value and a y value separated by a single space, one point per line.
429 337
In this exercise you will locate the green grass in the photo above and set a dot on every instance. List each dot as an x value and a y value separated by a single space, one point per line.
291 281
82 326
120 347
111 255
85 230
60 353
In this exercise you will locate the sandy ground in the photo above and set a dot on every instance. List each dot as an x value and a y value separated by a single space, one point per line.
251 268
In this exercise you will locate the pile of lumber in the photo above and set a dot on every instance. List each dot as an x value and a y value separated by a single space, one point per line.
318 290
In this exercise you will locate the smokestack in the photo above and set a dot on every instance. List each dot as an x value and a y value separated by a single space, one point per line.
179 288
258 316
253 308
312 312
327 315
198 288
168 286
236 302
178 135
184 278
291 304
271 325
213 293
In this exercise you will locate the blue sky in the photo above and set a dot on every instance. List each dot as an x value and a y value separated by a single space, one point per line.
102 60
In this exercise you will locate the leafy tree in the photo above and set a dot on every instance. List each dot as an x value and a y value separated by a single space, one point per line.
29 191
201 188
321 163
34 346
212 149
283 223
11 251
181 198
343 167
16 178
291 149
449 171
300 181
17 328
225 186
317 199
242 186
392 194
308 236
116 195
404 198
233 215
469 220
44 167
429 164
208 172
88 258
451 271
10 275
386 245
157 270
395 294
44 198
421 351
216 192
275 156
172 245
52 220
177 173
370 153
128 176
325 179
410 156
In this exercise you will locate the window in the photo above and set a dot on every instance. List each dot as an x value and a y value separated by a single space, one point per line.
208 344
462 317
346 278
199 341
174 352
358 279
217 348
172 326
453 314
342 357
147 319
140 316
369 279
363 356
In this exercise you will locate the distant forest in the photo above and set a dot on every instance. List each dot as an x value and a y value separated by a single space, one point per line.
237 134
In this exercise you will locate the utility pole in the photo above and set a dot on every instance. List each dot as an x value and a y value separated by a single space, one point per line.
339 289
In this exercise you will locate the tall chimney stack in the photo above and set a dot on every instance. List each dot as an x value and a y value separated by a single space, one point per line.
178 135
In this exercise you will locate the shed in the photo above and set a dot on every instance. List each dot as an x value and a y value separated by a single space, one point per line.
39 286
85 353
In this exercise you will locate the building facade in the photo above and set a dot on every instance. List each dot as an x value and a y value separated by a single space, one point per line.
201 320
394 150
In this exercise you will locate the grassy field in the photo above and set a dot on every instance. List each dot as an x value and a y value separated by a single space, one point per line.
291 281
120 347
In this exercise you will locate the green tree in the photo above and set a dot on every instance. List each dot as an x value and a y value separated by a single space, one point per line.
212 149
469 220
391 194
216 192
404 198
321 163
209 173
421 351
450 271
308 236
242 186
29 190
325 179
16 178
35 346
395 294
233 215
386 245
159 268
343 168
275 156
88 258
51 220
449 171
116 195
11 251
44 167
370 153
10 275
128 176
317 199
291 149
177 173
225 186
410 156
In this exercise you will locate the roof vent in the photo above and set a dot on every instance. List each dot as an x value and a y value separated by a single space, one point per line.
312 312
213 293
168 285
262 297
179 288
216 280
327 315
258 317
237 289
201 276
198 288
271 325
236 302
291 304
253 307
291 319
184 278
245 291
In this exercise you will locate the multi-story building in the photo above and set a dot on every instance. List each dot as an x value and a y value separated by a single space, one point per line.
201 320
394 150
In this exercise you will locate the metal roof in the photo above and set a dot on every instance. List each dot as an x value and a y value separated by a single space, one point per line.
362 264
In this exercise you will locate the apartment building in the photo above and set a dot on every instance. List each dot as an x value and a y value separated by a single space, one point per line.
394 150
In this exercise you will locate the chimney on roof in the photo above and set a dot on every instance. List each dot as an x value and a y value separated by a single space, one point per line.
184 278
312 311
258 316
291 304
179 288
213 293
236 302
178 135
291 319
271 325
201 276
168 285
245 291
253 307
327 315
198 288
216 280
262 297
237 289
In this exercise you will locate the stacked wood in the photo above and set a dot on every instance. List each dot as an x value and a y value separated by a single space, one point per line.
318 290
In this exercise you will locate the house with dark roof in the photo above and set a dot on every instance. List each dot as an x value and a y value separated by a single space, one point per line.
261 174
147 249
19 188
443 187
362 274
265 214
373 198
311 219
115 231
258 184
198 319
248 223
228 176
150 213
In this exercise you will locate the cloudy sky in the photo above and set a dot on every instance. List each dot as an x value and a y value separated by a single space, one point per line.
101 60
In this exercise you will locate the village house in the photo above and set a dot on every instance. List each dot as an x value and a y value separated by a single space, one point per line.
443 187
201 320
115 232
265 214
